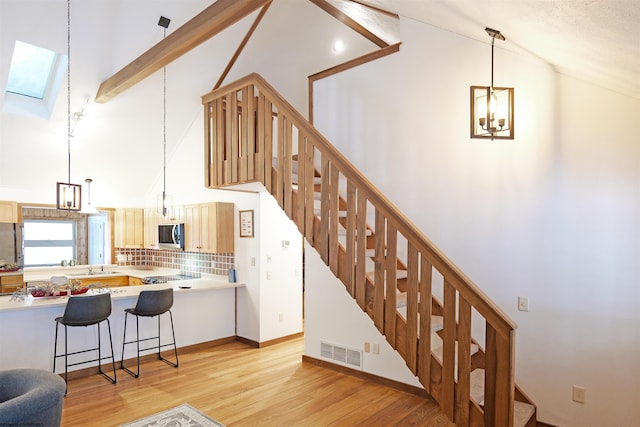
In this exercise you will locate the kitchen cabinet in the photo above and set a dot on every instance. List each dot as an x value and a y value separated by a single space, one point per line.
135 281
8 211
209 227
129 228
11 283
151 221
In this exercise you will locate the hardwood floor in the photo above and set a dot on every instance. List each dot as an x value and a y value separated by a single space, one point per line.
242 386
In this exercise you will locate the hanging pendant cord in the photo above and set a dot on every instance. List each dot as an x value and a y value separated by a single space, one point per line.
164 129
69 90
493 40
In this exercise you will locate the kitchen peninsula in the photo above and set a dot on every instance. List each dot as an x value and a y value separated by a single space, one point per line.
204 311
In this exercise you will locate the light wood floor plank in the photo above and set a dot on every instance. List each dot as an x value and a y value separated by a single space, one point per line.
242 386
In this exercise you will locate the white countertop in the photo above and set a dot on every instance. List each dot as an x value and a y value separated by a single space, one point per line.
82 272
206 283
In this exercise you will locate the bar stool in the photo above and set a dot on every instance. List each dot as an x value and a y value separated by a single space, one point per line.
150 304
85 310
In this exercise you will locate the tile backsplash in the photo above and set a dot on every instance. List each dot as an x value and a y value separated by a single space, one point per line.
193 262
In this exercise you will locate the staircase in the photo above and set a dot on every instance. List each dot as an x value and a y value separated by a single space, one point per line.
417 298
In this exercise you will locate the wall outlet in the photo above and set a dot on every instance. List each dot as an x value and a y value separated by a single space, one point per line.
253 261
367 347
523 303
268 275
280 317
376 348
579 394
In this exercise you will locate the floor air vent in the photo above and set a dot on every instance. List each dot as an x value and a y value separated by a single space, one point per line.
342 355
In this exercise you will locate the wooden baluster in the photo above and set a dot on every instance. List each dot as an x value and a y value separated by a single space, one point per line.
324 210
464 362
379 260
424 348
391 267
333 220
302 187
309 215
351 238
228 138
448 349
220 142
243 134
287 158
412 308
361 247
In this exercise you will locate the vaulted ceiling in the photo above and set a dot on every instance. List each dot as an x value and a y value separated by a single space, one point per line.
596 41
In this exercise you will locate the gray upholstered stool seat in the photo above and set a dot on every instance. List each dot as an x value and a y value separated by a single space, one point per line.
30 397
85 310
150 304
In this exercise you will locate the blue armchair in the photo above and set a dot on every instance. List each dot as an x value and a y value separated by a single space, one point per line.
31 397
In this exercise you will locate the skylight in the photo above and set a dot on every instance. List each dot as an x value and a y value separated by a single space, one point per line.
35 77
30 72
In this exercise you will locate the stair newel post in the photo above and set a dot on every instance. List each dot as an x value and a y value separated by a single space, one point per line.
499 384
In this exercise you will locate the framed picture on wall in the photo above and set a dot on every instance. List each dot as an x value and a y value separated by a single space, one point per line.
246 223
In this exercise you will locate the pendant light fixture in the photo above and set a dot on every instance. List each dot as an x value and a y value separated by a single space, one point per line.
165 201
492 107
68 196
89 209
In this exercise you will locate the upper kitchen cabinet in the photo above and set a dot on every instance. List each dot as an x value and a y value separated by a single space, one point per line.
151 221
209 227
129 228
8 211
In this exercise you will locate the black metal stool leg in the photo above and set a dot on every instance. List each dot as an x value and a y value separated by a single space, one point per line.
175 348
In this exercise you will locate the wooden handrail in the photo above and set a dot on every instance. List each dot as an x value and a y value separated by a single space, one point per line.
249 136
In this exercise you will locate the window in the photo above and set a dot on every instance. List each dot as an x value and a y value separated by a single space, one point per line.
34 81
30 70
47 243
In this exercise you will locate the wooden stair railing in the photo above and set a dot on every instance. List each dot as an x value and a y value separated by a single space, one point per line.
252 134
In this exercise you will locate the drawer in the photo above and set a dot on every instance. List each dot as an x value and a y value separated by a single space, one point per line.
14 279
9 289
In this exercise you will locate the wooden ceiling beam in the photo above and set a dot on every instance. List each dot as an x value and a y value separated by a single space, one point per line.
343 11
211 21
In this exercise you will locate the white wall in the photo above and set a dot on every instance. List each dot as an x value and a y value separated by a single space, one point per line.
270 307
552 215
333 317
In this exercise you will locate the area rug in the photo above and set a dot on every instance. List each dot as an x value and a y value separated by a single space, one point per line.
183 415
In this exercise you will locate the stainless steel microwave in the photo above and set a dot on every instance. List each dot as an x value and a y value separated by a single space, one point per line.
171 236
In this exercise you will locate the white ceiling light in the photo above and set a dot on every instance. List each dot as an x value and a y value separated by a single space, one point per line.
338 46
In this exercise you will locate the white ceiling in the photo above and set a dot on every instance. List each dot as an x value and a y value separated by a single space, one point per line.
597 41
594 40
